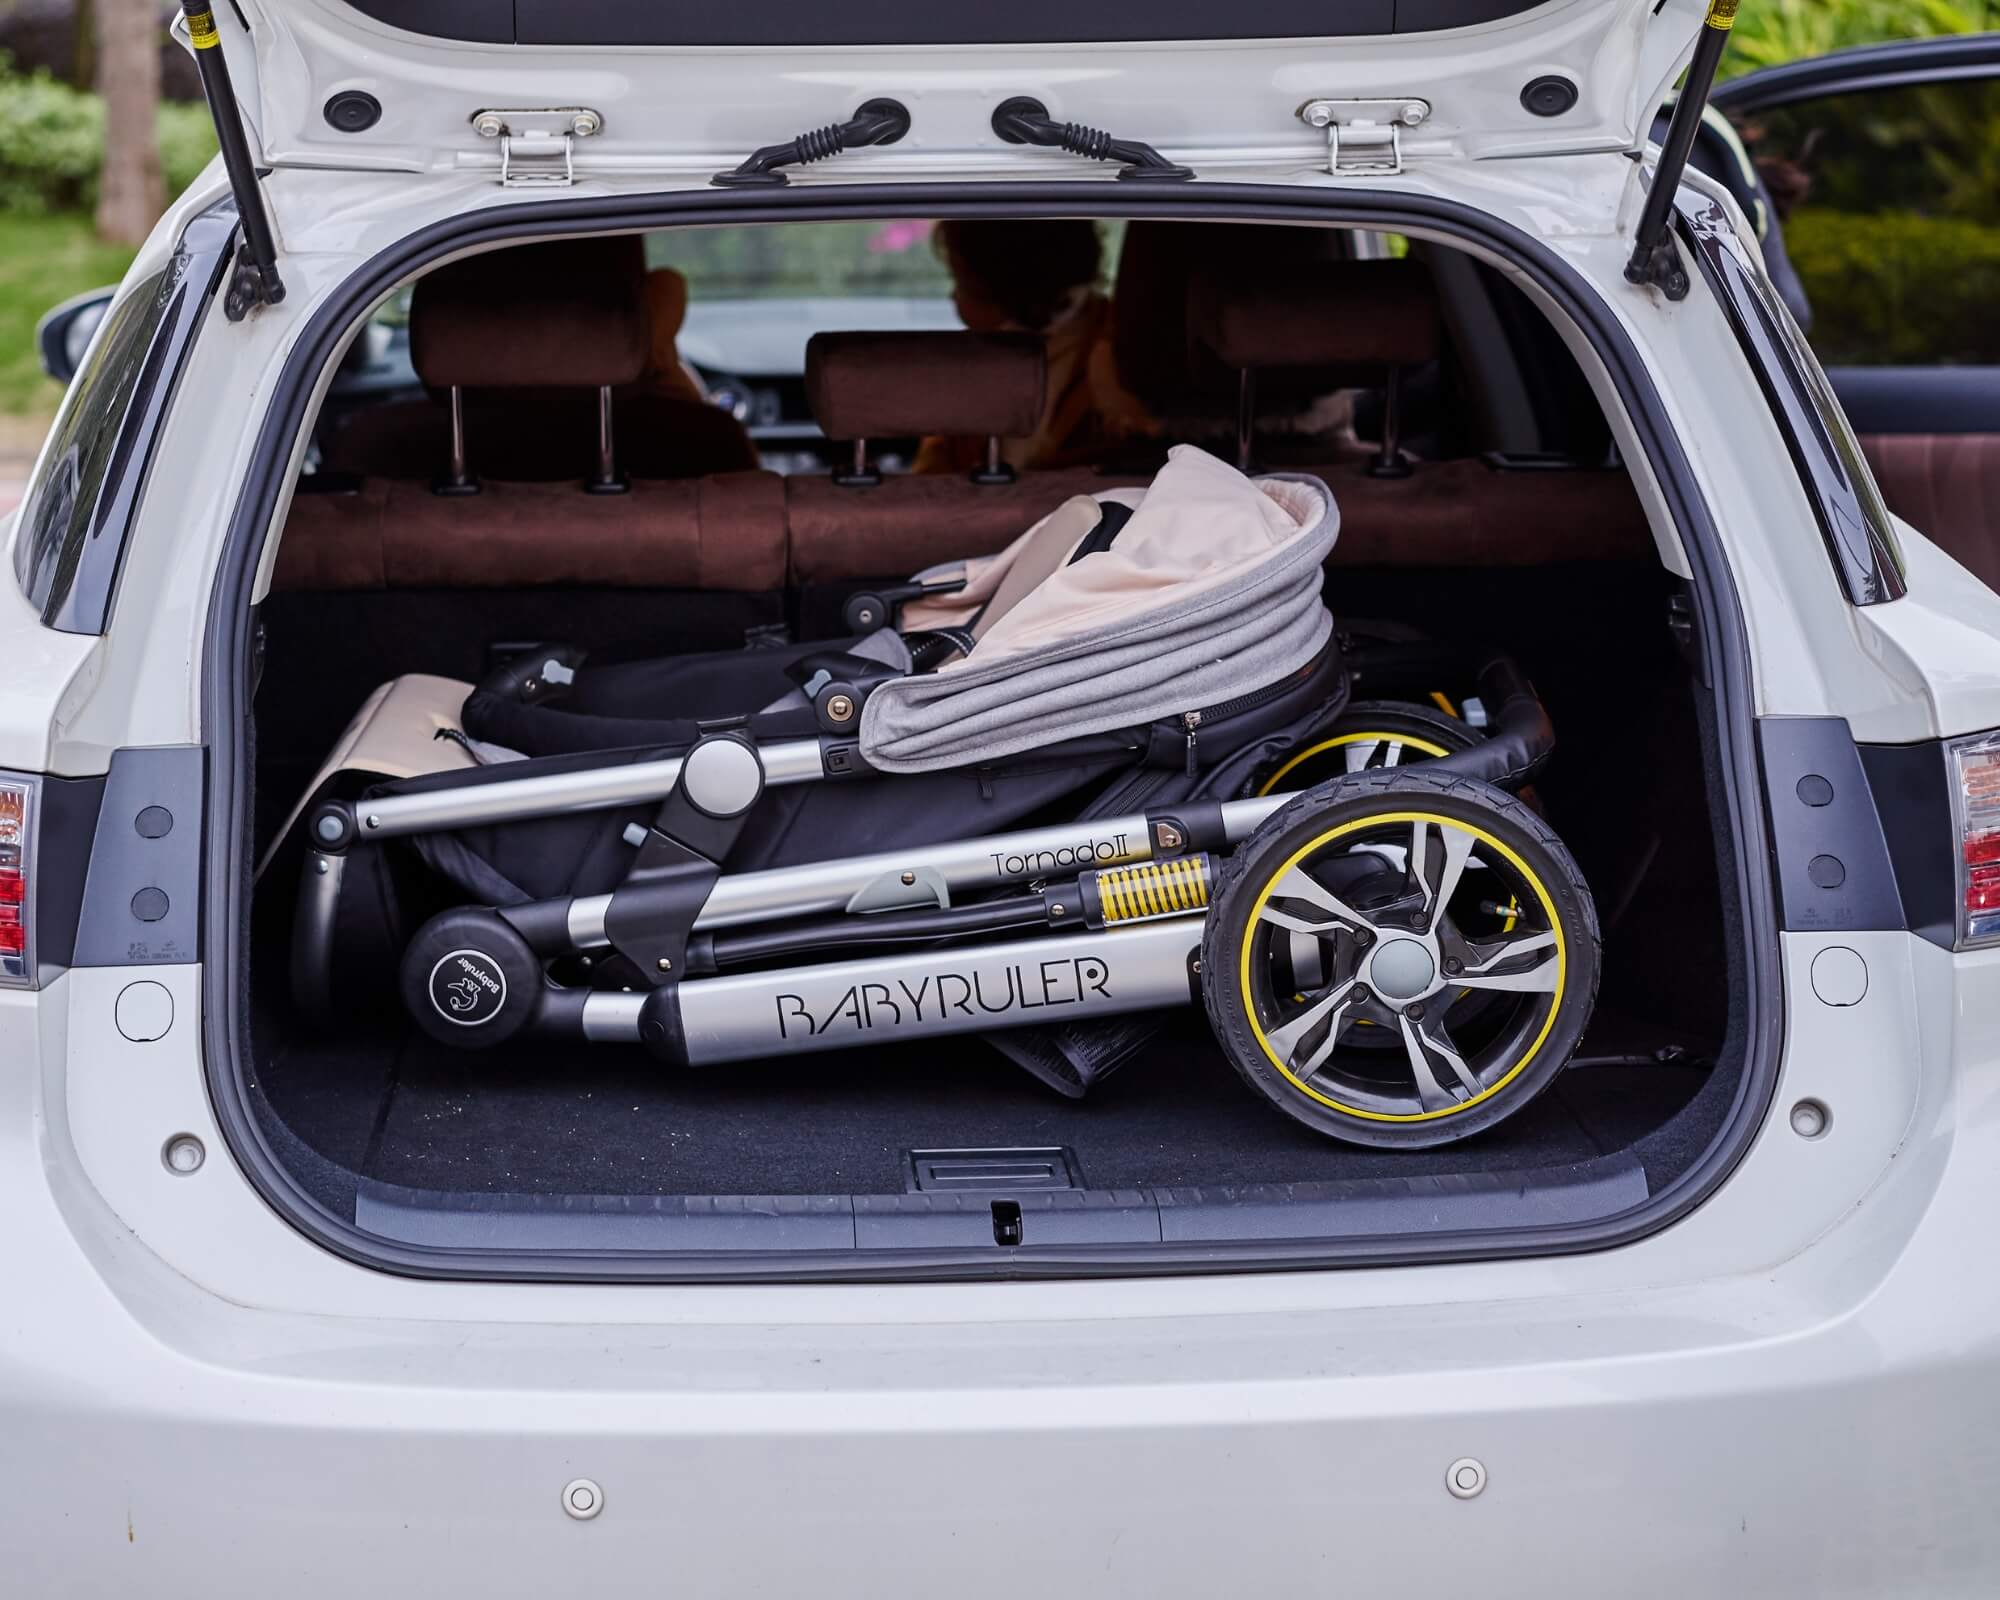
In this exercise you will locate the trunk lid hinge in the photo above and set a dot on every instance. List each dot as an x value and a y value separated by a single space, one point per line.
1365 136
537 144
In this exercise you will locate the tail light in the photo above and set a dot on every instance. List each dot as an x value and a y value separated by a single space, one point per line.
17 818
1976 812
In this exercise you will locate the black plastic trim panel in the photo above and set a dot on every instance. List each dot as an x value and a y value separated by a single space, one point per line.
1853 520
1911 784
1047 1219
780 24
1717 620
83 603
1861 834
1834 869
65 824
142 898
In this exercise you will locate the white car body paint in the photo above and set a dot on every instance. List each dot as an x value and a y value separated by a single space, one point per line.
1792 1390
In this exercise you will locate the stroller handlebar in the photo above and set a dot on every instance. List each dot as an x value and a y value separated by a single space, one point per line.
1519 734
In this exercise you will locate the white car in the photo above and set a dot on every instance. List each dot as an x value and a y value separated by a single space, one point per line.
301 1299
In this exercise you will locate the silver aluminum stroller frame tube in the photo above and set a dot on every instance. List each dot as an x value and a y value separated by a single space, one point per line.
885 999
587 789
1002 858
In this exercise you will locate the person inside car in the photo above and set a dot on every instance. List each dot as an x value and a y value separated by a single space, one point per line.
1041 277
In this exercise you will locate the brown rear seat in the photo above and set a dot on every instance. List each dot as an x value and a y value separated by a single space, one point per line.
522 340
749 532
1443 513
722 532
581 331
865 386
1368 320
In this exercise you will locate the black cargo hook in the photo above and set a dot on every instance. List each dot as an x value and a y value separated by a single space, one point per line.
877 122
1025 121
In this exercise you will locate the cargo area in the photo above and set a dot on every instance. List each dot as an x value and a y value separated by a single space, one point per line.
1514 526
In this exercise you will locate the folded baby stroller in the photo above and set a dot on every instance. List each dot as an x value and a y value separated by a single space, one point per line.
1065 791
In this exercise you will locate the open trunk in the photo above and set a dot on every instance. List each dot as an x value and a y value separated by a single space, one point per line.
945 1154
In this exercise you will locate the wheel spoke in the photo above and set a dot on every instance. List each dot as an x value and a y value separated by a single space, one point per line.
1359 755
1308 957
1539 978
1297 885
1330 1007
1457 847
1420 1044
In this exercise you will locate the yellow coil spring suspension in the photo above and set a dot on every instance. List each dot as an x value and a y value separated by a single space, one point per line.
1170 888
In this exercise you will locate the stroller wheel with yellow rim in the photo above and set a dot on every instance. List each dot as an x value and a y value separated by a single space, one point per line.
1431 912
1367 736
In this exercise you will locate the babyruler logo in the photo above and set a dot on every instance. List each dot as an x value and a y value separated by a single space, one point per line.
468 987
931 998
1012 865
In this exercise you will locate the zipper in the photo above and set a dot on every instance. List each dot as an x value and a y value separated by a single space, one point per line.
1191 721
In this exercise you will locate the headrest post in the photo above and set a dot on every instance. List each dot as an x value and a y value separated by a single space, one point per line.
992 470
859 474
458 478
1390 462
606 479
1246 416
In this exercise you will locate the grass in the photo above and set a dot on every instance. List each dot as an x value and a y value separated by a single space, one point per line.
43 260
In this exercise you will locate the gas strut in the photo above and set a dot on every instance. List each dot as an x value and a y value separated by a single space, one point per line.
254 281
1025 121
1654 258
877 122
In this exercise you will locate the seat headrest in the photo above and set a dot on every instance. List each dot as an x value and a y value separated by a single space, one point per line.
1159 360
896 385
569 313
1336 313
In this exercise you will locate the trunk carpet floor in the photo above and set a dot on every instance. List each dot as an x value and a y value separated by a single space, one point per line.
553 1120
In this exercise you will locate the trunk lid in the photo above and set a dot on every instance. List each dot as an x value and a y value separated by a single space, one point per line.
577 91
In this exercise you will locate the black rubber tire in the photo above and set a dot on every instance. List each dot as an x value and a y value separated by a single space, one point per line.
1243 876
1404 718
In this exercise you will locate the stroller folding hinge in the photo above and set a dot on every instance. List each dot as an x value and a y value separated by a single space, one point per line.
900 890
651 916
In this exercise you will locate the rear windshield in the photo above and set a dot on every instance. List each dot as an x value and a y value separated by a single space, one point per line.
72 498
840 260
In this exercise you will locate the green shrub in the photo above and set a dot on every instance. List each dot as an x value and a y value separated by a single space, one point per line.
1897 288
1771 31
51 139
187 143
52 142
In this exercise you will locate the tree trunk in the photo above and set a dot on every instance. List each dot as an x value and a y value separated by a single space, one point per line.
131 192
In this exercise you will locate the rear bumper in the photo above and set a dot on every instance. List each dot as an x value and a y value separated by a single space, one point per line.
1819 1425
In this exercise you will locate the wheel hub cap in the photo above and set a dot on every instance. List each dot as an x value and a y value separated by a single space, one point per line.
1402 969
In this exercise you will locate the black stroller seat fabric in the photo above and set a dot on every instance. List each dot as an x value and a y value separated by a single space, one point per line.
1210 727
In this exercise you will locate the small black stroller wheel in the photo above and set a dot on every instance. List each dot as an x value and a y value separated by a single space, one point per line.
1430 912
470 980
1367 736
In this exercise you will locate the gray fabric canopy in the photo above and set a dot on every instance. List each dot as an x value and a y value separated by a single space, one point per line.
1210 591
